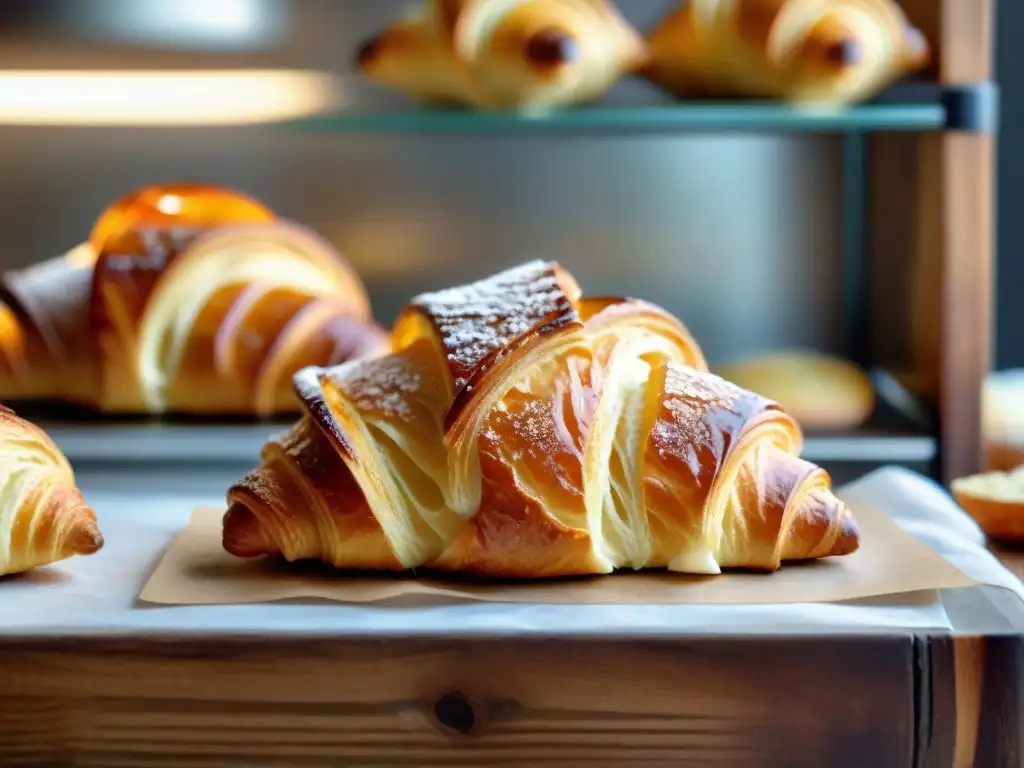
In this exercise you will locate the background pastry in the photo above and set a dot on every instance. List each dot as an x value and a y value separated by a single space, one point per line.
536 55
525 55
824 51
185 299
995 500
520 430
43 517
819 391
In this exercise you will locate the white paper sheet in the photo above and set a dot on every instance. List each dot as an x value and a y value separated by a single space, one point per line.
97 595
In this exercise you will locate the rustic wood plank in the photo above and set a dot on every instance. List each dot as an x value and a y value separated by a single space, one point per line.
968 671
710 701
1001 721
952 701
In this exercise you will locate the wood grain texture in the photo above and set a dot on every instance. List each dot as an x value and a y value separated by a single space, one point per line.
975 698
1001 720
931 242
729 702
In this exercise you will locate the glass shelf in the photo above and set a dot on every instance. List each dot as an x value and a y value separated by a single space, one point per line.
696 117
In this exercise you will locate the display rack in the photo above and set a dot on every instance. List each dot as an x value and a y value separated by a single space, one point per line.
919 203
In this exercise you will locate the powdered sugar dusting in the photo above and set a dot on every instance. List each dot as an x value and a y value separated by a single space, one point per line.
477 319
383 386
701 414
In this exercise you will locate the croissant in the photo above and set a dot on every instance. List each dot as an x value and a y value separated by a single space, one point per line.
415 55
825 51
519 430
43 517
187 299
523 55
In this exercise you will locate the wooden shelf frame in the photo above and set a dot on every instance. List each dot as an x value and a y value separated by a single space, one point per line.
930 239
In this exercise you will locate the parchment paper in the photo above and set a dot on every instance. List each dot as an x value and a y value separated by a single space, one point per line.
195 570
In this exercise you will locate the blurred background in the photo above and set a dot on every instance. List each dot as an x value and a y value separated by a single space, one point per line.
741 235
738 235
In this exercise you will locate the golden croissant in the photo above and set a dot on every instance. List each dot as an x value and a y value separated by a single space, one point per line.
43 517
185 298
519 430
823 51
524 55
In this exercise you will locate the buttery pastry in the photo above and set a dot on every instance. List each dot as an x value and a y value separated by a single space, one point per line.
519 430
819 391
187 299
523 55
820 51
43 517
995 500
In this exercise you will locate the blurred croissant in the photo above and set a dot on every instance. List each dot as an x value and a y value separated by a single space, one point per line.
519 430
186 299
524 55
43 517
823 51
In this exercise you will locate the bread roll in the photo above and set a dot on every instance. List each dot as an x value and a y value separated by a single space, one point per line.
995 500
819 391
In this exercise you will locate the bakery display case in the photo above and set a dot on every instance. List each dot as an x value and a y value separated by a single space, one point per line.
332 457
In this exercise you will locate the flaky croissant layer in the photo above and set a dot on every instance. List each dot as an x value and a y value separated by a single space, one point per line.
519 430
43 517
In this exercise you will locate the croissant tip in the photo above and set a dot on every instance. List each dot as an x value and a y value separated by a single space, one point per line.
917 44
848 541
242 535
369 50
84 539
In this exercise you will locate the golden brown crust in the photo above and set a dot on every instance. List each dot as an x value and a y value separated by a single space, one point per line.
588 438
513 536
196 312
477 321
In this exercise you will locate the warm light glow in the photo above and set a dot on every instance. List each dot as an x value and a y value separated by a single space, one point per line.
169 204
165 205
222 97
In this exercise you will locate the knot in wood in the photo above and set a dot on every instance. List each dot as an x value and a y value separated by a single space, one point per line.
455 712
